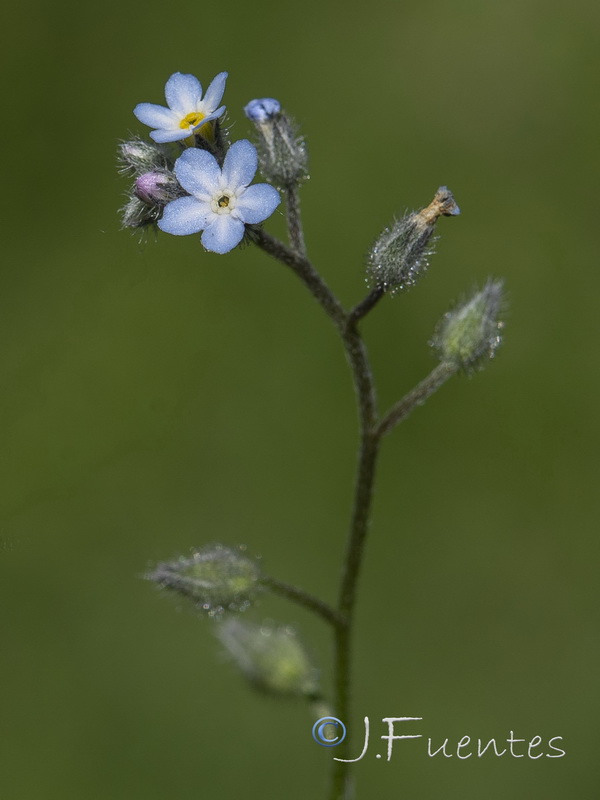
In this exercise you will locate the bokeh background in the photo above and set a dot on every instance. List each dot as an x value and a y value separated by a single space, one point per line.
155 397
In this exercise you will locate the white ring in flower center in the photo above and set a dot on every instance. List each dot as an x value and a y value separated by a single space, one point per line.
223 201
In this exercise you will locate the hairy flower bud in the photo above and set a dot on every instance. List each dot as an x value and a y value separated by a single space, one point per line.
271 658
137 214
282 153
156 188
470 333
215 578
401 253
137 156
148 196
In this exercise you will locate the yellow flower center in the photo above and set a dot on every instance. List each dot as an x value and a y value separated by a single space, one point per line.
223 201
192 119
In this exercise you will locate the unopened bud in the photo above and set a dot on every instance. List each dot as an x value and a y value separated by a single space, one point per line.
401 253
470 333
137 156
156 188
282 153
215 578
137 214
271 658
262 111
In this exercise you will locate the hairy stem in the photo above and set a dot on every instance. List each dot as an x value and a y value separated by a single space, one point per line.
362 309
364 386
305 599
341 787
294 220
416 397
359 526
371 431
304 270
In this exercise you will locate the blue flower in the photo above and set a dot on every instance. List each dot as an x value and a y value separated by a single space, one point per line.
188 112
221 201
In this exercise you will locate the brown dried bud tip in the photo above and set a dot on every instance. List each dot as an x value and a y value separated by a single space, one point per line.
442 205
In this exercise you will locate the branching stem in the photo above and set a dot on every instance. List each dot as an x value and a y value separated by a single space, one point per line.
304 270
305 599
362 309
372 429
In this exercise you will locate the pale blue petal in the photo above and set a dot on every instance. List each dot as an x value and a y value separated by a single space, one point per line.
209 118
257 202
183 93
240 164
214 93
215 115
223 233
155 116
169 135
184 216
198 172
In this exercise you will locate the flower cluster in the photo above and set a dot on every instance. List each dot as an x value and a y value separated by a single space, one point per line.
207 188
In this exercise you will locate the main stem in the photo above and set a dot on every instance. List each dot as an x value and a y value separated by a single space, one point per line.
294 219
372 429
347 325
341 788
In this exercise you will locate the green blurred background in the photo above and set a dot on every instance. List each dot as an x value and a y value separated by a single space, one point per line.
156 397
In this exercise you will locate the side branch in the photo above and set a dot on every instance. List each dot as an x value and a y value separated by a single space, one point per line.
362 309
305 599
416 397
304 270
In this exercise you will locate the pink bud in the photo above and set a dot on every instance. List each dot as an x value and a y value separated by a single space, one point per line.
152 188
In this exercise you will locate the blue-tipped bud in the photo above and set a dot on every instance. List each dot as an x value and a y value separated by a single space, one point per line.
401 253
469 335
271 658
282 153
263 110
215 578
